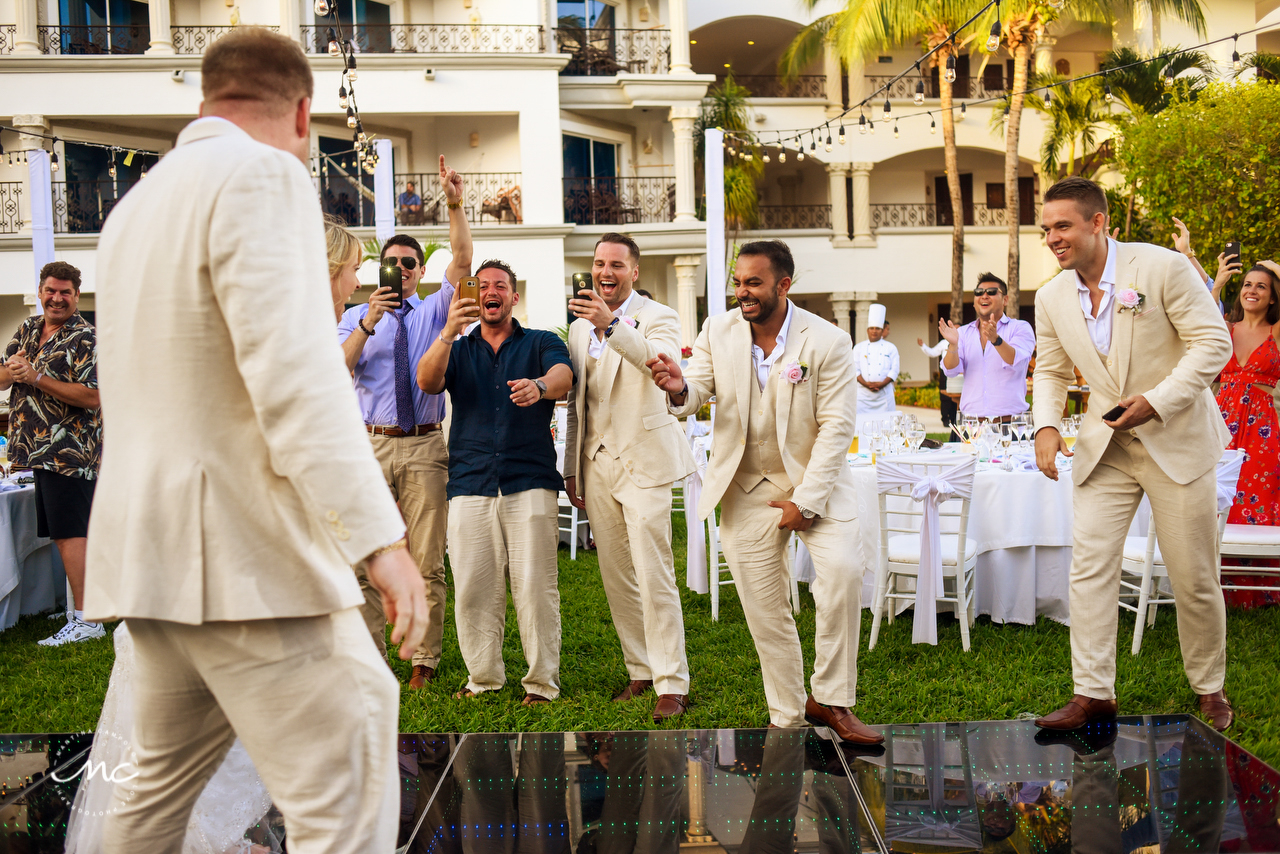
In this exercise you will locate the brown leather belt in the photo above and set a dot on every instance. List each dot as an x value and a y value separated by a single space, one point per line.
396 432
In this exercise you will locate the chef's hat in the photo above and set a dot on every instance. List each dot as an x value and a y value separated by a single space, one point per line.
876 316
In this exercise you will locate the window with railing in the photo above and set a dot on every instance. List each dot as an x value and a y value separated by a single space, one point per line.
10 207
8 34
931 214
773 86
431 38
488 198
619 201
81 207
903 88
93 39
794 216
195 40
606 52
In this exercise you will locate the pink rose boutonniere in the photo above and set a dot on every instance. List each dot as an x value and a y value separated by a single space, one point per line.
629 320
795 372
1127 299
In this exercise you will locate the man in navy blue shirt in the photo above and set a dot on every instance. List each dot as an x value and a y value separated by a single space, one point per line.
503 381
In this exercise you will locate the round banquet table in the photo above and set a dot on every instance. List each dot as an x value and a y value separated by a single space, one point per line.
31 576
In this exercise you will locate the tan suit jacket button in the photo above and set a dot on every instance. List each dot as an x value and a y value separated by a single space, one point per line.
1108 363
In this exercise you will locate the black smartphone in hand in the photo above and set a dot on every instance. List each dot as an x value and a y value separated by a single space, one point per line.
581 282
1232 250
1114 414
389 277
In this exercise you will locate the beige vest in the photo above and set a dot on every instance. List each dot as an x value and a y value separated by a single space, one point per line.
599 433
761 460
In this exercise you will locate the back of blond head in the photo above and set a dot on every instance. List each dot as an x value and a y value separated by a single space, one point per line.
256 68
341 244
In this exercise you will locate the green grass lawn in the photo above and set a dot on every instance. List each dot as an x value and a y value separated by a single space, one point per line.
1011 671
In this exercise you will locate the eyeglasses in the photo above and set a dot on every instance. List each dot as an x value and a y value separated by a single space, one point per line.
978 292
406 261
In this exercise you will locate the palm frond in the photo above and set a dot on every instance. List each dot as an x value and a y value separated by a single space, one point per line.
1267 65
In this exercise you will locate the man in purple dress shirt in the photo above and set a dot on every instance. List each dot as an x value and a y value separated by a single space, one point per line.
992 352
382 346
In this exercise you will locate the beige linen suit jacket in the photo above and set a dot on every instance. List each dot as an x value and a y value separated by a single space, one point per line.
1169 351
237 480
651 445
814 418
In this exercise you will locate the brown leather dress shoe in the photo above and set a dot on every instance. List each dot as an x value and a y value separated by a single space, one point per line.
670 706
634 689
1079 711
1217 710
421 676
534 700
840 721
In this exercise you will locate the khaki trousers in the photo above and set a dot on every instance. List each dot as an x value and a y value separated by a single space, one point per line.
1185 517
315 708
417 470
491 540
632 529
755 547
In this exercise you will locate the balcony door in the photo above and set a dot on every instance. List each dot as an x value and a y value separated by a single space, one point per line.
585 30
346 191
104 27
592 192
942 193
367 22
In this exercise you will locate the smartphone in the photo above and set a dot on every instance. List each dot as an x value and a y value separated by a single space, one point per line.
581 282
389 277
1113 414
1233 248
469 288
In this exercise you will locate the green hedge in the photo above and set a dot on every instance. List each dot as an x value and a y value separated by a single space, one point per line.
925 396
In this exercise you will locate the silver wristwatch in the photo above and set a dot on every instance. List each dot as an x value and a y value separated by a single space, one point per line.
806 512
542 389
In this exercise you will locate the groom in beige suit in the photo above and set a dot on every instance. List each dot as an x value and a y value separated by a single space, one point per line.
238 487
786 399
1141 327
623 451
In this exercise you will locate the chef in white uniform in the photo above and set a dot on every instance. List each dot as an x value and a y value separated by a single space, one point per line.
876 361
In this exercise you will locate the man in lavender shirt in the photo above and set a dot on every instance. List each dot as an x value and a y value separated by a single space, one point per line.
992 352
382 346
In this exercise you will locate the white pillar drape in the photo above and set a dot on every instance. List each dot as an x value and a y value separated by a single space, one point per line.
713 159
384 191
41 183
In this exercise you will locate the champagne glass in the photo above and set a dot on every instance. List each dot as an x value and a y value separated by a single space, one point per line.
915 435
1068 428
1006 436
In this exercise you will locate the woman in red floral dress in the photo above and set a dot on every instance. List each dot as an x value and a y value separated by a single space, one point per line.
1246 404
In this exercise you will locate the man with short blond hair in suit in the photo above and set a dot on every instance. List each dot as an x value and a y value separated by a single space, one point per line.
1140 326
623 451
238 487
783 380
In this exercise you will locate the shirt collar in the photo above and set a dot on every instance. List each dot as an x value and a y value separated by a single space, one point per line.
786 326
622 309
1108 282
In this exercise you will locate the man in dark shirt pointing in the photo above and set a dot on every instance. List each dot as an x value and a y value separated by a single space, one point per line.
503 381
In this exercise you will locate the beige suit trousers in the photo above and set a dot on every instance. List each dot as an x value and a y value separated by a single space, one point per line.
315 708
417 471
755 546
632 529
1185 517
491 540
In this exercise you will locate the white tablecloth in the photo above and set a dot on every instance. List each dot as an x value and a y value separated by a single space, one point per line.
31 575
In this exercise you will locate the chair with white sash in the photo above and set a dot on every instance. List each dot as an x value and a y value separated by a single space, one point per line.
1142 569
914 547
720 574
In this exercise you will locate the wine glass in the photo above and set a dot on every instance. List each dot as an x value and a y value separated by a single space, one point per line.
1006 436
1068 429
970 426
915 436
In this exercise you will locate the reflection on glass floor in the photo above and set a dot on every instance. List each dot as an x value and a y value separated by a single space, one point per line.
1144 785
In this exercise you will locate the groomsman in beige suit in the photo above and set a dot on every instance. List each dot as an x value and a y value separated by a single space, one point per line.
238 487
1142 329
623 452
784 383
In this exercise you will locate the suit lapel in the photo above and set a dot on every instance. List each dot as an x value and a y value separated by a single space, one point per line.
743 367
609 368
783 390
1079 331
1122 322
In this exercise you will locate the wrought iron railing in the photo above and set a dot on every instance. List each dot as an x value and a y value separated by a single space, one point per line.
487 198
905 87
431 38
619 201
123 39
195 40
926 214
771 86
10 207
605 52
8 35
794 216
80 207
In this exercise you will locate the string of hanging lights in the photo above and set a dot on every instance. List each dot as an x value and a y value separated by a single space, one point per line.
340 46
55 165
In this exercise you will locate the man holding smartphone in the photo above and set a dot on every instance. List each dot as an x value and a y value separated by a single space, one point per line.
382 342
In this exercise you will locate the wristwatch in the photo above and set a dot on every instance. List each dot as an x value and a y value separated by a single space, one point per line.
542 388
806 512
998 340
609 330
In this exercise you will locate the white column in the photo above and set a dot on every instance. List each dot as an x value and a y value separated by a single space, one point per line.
1044 55
862 235
682 119
27 22
687 296
831 68
161 29
291 21
862 304
841 304
837 172
680 62
858 88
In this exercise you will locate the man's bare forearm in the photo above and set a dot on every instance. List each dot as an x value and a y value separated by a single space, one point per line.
433 364
354 346
460 244
559 380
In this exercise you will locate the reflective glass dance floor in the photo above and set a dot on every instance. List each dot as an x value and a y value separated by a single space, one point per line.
1147 784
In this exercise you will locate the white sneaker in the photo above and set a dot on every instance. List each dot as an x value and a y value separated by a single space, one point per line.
74 632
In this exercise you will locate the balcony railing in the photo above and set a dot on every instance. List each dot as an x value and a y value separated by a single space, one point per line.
619 201
10 207
487 198
606 52
930 214
794 216
122 39
904 88
195 40
8 35
432 38
771 86
80 207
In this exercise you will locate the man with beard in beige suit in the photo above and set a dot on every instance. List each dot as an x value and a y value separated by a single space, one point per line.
623 451
238 487
1141 327
786 399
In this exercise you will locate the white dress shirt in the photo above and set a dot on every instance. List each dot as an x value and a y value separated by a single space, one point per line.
762 364
1100 327
595 346
876 361
936 350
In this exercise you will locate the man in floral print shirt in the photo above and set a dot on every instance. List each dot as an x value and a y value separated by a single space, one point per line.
55 427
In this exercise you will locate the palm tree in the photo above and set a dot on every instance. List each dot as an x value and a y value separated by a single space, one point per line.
1138 80
725 107
1267 65
1074 118
864 28
1024 26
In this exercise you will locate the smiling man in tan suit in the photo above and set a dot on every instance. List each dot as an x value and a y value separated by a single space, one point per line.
786 399
1142 329
238 486
623 451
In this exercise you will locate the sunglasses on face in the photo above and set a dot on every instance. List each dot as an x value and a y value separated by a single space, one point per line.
407 261
978 292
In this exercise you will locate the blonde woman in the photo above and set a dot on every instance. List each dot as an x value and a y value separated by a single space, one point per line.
345 257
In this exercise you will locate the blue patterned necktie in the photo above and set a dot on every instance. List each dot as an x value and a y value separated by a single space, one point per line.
405 418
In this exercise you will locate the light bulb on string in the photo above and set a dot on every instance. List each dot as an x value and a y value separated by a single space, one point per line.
342 97
800 153
1236 64
1109 97
111 170
871 126
813 143
360 133
950 73
862 124
919 99
842 136
351 64
53 156
351 118
993 40
335 49
782 154
933 124
1048 97
888 108
764 155
962 112
827 147
895 130
1168 79
322 8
